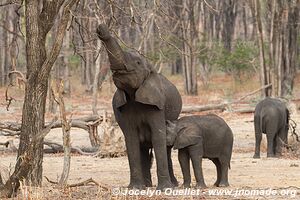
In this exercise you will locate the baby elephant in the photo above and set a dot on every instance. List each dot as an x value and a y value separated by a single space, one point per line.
272 118
199 137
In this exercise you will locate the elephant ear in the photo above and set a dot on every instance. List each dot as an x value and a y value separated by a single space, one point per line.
151 92
188 135
119 98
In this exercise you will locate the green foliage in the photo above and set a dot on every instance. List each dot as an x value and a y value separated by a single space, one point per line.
166 52
241 59
74 61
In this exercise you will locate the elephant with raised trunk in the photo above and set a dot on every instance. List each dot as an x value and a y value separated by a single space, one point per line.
271 117
144 100
198 137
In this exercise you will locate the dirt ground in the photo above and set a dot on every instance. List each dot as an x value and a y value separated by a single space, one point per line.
246 173
259 177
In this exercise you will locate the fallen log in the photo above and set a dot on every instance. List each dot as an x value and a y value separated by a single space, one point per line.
244 110
83 183
4 144
89 124
221 106
188 109
58 148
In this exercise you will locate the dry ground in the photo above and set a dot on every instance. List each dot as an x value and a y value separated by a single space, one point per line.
245 173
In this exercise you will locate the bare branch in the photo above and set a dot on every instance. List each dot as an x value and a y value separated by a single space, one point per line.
10 2
45 131
211 7
12 32
83 183
49 12
8 99
62 27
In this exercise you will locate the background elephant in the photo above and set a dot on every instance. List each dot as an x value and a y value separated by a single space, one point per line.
144 100
272 118
199 137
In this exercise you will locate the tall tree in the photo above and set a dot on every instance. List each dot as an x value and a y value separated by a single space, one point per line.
190 40
280 31
39 19
228 18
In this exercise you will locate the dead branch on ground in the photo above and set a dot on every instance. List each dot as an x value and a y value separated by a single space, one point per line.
83 183
4 144
293 126
58 148
221 106
14 128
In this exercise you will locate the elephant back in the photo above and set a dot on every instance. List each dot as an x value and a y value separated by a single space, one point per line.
273 110
173 102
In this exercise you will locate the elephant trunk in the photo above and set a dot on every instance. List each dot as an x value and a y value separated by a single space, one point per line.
115 53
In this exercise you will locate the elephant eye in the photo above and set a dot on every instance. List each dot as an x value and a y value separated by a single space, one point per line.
138 62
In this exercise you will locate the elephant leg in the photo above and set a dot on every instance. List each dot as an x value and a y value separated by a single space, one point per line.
258 136
184 161
134 158
216 161
281 140
158 137
224 172
132 143
196 157
170 165
146 160
270 141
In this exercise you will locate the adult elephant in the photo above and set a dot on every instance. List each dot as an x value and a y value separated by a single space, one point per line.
142 103
272 118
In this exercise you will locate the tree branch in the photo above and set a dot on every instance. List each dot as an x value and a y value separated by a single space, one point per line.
9 3
62 27
49 12
83 183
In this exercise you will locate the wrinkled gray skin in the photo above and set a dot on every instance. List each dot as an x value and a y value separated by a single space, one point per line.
144 100
272 118
199 137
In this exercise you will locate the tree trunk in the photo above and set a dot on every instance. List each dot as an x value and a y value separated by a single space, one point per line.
96 81
290 46
33 114
30 154
229 16
264 73
188 57
66 128
2 56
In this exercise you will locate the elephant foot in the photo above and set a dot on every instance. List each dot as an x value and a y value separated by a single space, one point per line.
201 185
148 183
217 183
174 182
223 184
185 185
165 185
256 156
135 185
271 155
278 155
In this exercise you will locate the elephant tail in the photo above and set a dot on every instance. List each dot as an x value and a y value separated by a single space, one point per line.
288 115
